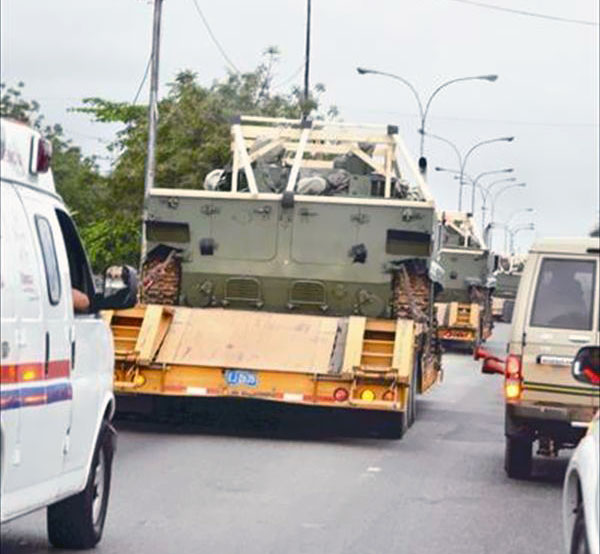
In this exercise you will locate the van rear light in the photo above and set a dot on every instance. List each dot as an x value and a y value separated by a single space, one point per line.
512 383
513 366
41 154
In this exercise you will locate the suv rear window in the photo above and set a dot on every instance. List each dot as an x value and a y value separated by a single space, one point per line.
564 297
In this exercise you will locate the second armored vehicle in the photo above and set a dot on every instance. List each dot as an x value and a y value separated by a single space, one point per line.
464 308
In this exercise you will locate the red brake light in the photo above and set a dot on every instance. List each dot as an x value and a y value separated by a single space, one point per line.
388 395
513 366
591 376
512 383
341 394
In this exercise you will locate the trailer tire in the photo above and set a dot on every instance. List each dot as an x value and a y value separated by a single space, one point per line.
518 457
77 522
411 405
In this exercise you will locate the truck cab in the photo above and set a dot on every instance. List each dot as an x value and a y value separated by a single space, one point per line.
56 398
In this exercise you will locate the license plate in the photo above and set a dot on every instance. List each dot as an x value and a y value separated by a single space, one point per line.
235 377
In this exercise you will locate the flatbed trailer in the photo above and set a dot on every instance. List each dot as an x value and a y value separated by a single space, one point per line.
459 324
353 363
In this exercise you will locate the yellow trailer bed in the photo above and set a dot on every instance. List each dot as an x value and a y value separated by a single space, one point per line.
341 362
459 323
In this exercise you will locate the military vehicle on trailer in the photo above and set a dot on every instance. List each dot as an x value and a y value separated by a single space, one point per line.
300 273
508 275
464 309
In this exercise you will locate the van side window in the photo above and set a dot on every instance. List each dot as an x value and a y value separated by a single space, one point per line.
79 269
49 255
564 296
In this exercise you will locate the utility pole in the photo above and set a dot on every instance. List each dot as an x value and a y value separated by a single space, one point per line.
305 111
153 103
152 118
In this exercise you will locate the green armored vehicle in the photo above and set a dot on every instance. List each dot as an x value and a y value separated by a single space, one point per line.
464 306
508 276
315 243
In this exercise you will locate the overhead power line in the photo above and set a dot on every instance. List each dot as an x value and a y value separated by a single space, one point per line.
396 113
531 14
214 38
290 78
139 90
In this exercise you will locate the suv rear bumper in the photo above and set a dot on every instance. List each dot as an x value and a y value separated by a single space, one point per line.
551 421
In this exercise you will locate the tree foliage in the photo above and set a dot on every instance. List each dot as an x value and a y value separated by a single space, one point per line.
193 138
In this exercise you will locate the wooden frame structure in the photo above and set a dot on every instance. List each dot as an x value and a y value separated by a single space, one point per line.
316 144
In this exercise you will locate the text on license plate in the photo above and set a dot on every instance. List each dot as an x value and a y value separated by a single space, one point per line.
241 377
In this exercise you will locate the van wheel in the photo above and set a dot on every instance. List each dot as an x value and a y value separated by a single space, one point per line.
77 521
579 542
517 457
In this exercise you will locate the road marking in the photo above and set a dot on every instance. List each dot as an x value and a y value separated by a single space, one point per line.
373 469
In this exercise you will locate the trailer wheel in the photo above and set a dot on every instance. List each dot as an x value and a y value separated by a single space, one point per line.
77 522
517 457
411 405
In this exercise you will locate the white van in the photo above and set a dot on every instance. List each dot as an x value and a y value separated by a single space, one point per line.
56 399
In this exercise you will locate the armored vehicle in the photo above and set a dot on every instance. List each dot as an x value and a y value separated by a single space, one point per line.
464 306
508 275
298 273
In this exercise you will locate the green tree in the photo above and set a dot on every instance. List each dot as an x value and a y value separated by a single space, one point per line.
108 239
193 138
193 135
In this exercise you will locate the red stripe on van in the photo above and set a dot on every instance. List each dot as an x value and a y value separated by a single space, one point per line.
31 372
58 368
8 374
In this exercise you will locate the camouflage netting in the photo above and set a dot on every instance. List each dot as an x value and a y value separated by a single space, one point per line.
412 300
483 297
161 277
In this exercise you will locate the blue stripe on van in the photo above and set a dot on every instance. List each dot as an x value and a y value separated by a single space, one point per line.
35 396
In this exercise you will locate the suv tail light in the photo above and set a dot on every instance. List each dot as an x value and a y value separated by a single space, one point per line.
514 377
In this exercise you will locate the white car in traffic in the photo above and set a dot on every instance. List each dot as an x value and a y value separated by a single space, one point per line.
581 496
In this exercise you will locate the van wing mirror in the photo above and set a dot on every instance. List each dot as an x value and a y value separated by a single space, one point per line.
586 365
120 288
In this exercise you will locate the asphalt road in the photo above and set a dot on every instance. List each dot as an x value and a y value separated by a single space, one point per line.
442 489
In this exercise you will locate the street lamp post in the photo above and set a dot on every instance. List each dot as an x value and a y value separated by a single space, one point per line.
486 196
424 110
462 161
474 182
507 223
503 189
513 232
493 205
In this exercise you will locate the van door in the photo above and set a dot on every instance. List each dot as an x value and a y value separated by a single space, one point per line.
92 370
46 400
10 399
562 317
43 355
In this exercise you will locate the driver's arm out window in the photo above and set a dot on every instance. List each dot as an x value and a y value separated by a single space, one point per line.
81 277
564 296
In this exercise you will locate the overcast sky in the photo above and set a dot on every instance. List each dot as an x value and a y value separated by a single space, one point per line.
546 95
